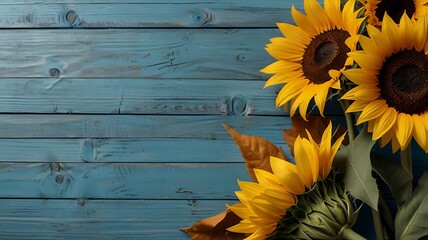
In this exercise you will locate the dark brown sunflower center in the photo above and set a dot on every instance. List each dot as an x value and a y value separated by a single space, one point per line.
403 81
325 52
395 9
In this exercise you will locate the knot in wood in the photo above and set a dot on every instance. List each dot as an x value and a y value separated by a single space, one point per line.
55 167
59 179
54 72
237 106
70 17
202 17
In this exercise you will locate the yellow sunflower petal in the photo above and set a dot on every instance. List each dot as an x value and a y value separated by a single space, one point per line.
280 199
348 11
403 129
240 210
304 22
266 178
332 7
336 146
287 175
405 29
366 62
285 54
334 74
324 152
362 92
303 99
303 108
306 162
360 77
261 233
386 138
294 32
389 29
419 131
384 123
265 210
243 197
290 90
277 79
321 95
351 42
395 144
421 32
357 106
314 10
369 45
372 110
293 47
243 228
251 187
275 67
382 43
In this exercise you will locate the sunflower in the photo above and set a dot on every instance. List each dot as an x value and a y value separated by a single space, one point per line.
375 9
392 83
263 204
313 53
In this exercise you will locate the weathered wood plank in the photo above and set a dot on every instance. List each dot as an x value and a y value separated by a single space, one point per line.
124 180
141 96
119 14
266 3
137 126
136 53
138 150
137 96
121 150
102 219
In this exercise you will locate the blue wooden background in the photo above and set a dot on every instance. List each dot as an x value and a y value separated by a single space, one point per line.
111 112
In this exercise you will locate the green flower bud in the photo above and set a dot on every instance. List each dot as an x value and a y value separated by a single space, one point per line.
323 212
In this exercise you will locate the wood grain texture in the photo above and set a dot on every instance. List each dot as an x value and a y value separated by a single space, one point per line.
111 112
141 14
136 53
137 126
124 180
102 219
179 150
142 96
137 96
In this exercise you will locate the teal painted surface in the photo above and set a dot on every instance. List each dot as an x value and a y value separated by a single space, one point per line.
102 219
138 13
111 112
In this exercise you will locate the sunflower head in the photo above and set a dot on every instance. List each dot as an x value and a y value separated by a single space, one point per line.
312 54
263 204
392 82
376 9
321 213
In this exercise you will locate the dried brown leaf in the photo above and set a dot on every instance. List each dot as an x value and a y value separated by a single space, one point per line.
256 151
315 125
214 228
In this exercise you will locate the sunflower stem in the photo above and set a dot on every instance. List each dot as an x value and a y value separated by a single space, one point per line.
386 214
377 224
348 234
349 121
406 159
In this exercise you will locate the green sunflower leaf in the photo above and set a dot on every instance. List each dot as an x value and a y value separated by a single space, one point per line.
412 217
354 162
398 179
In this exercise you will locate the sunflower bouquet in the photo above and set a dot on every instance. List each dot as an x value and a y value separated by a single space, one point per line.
372 57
